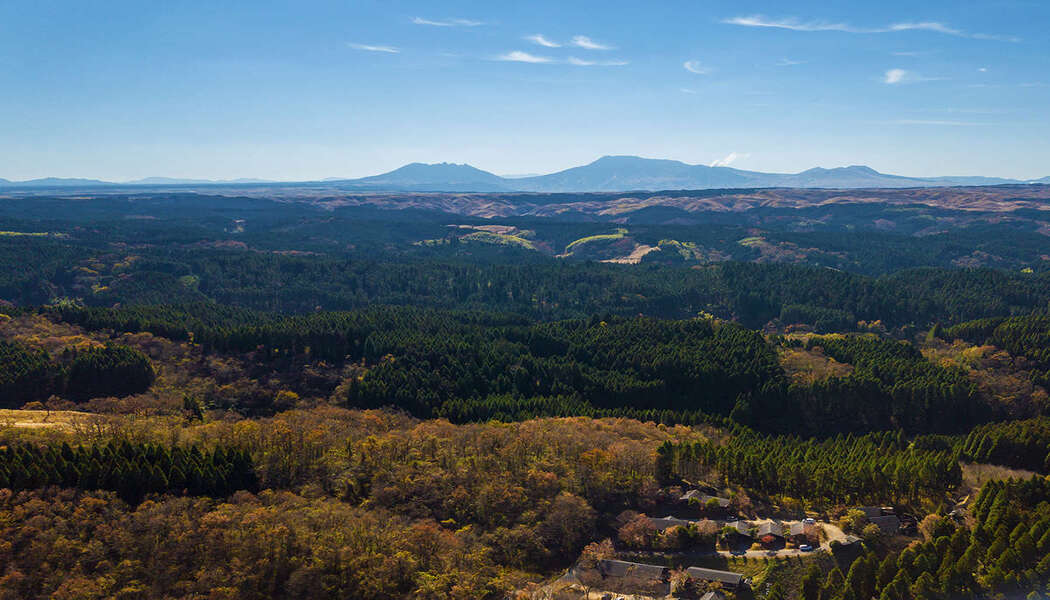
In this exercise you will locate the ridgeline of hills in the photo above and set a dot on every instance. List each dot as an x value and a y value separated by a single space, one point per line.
607 174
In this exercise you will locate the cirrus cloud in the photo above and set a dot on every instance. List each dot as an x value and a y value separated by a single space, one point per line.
796 24
371 48
587 43
579 62
542 41
447 22
899 76
525 57
695 66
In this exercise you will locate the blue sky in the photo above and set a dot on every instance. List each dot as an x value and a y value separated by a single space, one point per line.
302 90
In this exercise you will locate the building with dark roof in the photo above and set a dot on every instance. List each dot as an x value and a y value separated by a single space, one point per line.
623 569
887 524
726 578
665 523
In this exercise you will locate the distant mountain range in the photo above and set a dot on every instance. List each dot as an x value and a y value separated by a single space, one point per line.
607 174
53 182
627 173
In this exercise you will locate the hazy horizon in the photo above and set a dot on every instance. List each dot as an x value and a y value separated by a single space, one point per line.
510 176
126 91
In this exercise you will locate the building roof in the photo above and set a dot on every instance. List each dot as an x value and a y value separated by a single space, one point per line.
770 528
742 527
798 528
665 523
622 568
850 539
726 577
713 596
888 523
704 498
870 511
692 494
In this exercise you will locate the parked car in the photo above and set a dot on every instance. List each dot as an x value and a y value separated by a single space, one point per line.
806 548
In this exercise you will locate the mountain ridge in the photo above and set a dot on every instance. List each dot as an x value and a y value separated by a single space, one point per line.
610 173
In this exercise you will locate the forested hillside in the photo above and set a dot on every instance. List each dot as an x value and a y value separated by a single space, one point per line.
225 398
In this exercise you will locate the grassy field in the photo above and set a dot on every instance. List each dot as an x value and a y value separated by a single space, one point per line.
41 419
619 235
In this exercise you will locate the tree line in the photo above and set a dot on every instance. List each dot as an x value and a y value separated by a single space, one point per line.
131 470
30 374
876 468
1019 444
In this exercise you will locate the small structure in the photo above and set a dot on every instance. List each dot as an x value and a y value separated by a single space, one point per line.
887 524
713 596
665 523
623 568
704 499
629 577
870 511
850 540
770 528
728 579
740 527
800 532
771 534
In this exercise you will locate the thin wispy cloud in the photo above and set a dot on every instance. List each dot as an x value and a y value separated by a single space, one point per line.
796 24
688 91
582 41
729 159
900 76
790 23
447 22
524 57
908 53
695 66
579 62
542 41
371 48
934 123
787 62
982 69
926 26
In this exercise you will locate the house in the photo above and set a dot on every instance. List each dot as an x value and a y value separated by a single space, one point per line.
800 532
870 511
849 540
628 577
740 527
728 579
622 569
713 596
704 499
770 528
887 524
665 523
